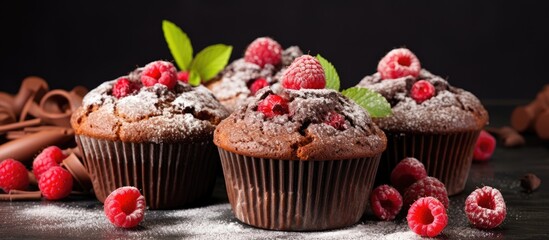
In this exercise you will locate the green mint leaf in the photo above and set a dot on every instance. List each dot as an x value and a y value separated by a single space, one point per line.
332 78
211 60
179 45
194 78
372 101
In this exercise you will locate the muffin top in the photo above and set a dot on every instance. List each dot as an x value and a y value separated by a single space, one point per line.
308 124
449 109
150 112
235 83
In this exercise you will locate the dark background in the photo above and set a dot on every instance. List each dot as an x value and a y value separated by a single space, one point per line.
495 49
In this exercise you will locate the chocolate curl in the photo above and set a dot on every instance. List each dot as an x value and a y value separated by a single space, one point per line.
523 117
18 195
542 125
31 88
24 149
19 125
509 136
32 178
78 171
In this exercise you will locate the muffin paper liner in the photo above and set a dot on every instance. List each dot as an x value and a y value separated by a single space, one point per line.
297 195
447 157
168 175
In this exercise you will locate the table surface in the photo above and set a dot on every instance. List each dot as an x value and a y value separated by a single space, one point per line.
81 217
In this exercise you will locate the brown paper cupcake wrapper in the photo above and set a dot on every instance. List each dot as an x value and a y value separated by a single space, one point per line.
296 195
168 175
447 157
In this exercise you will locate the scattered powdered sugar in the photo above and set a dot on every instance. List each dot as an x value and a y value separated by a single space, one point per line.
210 222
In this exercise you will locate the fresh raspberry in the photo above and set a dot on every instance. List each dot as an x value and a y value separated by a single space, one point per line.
124 87
386 202
398 63
426 187
49 157
336 120
485 208
263 50
13 175
125 207
485 146
56 183
427 217
183 76
159 72
421 91
304 72
273 105
258 84
407 172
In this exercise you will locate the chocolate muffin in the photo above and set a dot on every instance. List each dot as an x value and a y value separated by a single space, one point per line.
153 136
432 121
299 160
263 65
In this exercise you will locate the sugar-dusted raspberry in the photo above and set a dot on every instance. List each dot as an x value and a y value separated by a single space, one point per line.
407 172
273 105
56 183
485 146
304 72
263 50
258 84
427 217
485 208
183 76
386 202
422 90
13 175
125 207
426 187
159 72
336 120
49 157
398 63
124 87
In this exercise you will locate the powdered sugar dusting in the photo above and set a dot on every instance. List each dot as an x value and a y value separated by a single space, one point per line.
231 88
451 109
210 222
152 114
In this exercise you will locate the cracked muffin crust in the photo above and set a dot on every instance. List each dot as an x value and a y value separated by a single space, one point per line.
451 109
231 87
153 114
302 134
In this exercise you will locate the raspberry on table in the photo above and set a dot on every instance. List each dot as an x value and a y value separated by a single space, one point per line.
56 183
304 72
407 172
336 120
124 87
386 202
258 84
427 217
273 105
159 72
13 175
183 76
422 90
426 187
485 208
484 147
263 50
125 207
49 157
399 62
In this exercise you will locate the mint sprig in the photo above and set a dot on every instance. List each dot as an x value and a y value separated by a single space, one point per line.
332 78
179 44
372 101
205 65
